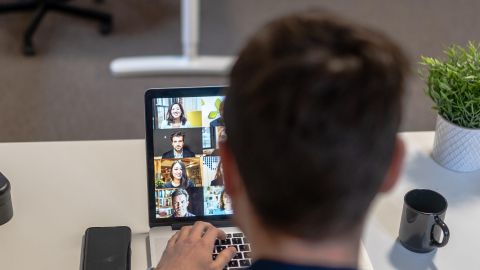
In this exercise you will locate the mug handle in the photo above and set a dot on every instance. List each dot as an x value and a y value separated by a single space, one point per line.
446 232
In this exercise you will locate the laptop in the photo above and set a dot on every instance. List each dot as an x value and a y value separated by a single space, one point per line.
185 179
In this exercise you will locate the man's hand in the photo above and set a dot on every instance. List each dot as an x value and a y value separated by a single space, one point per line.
191 248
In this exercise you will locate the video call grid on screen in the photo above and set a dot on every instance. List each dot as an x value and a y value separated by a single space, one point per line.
188 178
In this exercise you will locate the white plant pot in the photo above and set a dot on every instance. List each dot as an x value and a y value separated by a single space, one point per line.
456 148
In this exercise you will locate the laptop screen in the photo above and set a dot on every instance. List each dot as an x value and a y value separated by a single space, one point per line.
185 172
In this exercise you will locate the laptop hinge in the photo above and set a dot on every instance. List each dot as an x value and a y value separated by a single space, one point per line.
216 223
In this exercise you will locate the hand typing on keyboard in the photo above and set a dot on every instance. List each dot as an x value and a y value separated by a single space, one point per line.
191 248
242 258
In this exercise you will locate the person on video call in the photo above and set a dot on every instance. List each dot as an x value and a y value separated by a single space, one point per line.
178 176
221 136
225 203
322 89
175 117
218 180
178 151
219 121
180 202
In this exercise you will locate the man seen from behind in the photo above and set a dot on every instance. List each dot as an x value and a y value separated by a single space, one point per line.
327 94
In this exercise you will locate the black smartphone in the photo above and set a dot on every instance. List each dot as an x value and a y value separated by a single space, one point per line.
107 248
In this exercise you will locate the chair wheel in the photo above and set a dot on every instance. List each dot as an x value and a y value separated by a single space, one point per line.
105 28
28 50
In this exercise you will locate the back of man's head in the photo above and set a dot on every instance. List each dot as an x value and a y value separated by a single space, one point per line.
311 115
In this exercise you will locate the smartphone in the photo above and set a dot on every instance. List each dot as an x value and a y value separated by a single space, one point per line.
107 248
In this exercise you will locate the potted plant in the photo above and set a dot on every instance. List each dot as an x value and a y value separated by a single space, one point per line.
159 182
454 87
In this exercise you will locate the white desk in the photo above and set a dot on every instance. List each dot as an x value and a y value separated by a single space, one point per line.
61 188
462 191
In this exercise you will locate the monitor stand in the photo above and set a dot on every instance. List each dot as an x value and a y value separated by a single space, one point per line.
190 63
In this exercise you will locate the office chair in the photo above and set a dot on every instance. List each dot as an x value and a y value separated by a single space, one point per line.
41 7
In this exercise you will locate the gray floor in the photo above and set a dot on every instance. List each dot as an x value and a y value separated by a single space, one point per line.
67 93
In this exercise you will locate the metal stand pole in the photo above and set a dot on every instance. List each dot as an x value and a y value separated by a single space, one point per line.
190 63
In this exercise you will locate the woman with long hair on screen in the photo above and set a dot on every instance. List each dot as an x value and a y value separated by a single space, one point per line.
178 176
218 180
175 117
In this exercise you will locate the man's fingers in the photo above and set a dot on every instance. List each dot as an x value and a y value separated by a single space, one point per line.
184 232
199 228
224 257
212 234
171 242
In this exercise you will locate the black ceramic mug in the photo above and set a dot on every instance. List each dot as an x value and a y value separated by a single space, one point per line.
422 222
6 210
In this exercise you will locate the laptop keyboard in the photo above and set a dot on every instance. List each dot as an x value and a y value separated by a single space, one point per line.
242 259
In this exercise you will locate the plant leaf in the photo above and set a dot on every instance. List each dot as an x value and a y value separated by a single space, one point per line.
212 115
454 83
217 104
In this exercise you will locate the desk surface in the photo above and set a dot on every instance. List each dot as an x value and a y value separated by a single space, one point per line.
61 188
462 191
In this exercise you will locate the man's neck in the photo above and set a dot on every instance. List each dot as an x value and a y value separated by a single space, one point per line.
274 245
328 253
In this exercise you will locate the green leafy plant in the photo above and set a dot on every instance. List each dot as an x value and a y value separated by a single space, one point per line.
159 182
454 84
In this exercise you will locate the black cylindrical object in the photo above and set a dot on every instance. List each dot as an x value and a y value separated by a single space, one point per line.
6 209
422 221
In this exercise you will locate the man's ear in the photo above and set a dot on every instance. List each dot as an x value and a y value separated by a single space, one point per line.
230 171
393 172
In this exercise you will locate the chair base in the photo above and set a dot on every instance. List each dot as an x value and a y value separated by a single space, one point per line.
171 65
42 7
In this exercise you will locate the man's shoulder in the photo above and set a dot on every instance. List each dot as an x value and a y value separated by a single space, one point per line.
277 265
188 153
168 154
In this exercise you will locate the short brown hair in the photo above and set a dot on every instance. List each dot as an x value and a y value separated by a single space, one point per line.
325 95
180 192
177 134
